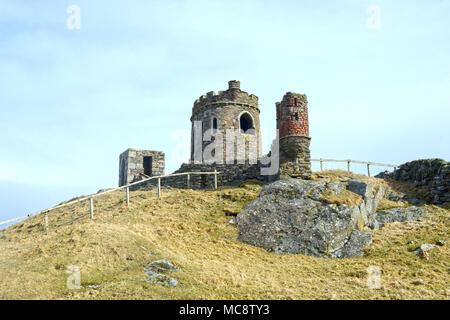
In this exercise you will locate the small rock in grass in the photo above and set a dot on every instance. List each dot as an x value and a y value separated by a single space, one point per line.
161 266
161 279
422 250
149 251
154 276
93 286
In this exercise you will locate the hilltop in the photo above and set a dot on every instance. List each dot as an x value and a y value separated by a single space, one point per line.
192 229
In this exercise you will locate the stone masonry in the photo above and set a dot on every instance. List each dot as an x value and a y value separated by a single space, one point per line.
137 164
293 126
213 117
433 173
231 110
230 175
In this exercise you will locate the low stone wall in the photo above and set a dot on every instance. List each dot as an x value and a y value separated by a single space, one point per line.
433 173
230 175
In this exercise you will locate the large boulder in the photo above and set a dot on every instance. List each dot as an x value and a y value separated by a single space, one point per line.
290 217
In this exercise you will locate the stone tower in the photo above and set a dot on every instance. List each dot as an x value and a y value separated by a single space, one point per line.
294 140
229 118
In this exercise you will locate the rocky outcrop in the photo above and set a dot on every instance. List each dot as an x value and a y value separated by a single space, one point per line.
371 199
290 217
400 196
396 215
433 173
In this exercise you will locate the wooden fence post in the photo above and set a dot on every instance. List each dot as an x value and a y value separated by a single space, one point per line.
159 187
128 196
46 222
321 165
215 179
348 166
91 206
368 169
188 181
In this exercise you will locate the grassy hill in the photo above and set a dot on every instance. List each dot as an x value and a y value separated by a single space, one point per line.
191 229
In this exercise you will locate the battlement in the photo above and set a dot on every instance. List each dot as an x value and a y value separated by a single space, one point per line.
234 95
234 84
291 98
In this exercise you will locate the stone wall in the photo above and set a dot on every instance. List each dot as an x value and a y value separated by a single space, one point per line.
295 157
433 173
131 165
230 175
222 112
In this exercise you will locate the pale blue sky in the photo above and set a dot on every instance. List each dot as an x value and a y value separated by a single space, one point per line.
72 100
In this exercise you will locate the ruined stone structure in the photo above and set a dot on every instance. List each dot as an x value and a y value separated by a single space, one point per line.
226 137
227 112
136 164
431 173
294 140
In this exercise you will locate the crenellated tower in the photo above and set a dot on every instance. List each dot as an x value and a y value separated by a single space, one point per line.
232 110
294 140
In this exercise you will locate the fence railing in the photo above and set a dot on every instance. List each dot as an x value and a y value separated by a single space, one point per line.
368 163
188 174
127 187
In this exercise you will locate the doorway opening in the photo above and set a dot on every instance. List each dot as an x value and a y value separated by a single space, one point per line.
148 165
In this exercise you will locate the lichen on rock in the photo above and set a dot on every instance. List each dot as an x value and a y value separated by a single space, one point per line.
290 217
154 272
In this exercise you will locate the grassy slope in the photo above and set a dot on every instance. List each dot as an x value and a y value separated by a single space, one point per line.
191 229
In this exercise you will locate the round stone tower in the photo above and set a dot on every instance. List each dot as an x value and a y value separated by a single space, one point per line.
231 115
294 140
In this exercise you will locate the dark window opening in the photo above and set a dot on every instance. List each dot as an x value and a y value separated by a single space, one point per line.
246 122
214 123
296 116
148 166
295 101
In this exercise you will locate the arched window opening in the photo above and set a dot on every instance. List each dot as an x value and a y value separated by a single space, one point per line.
214 123
246 122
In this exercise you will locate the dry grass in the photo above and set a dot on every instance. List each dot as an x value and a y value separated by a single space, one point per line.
344 197
342 175
191 229
386 204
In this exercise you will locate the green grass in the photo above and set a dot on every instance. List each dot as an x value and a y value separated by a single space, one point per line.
191 229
